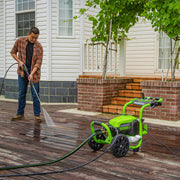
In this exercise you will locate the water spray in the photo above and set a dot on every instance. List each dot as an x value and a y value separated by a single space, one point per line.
47 117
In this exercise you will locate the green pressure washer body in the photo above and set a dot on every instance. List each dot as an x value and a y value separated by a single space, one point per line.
126 130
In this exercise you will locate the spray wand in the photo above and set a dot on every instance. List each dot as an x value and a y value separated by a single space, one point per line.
26 70
48 119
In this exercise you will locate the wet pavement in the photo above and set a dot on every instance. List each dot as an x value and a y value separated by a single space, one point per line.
29 142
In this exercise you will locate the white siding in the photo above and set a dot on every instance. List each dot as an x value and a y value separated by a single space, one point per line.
61 60
141 50
41 23
88 24
65 51
10 37
10 32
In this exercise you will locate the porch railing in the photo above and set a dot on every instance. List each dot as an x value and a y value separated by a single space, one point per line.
94 59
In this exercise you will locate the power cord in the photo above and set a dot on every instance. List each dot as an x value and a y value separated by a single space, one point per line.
162 144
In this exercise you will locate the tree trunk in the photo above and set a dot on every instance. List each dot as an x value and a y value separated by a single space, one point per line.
107 51
175 64
105 60
170 62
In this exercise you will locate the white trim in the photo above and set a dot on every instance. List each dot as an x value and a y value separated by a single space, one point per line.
66 37
15 20
4 23
82 4
156 63
49 18
35 14
73 24
26 11
57 29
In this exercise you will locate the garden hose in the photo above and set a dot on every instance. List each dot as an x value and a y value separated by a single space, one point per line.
65 170
49 162
5 77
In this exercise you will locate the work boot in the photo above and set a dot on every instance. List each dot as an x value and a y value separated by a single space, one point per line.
17 117
38 118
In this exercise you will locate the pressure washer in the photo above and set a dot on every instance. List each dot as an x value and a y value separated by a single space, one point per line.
122 133
130 129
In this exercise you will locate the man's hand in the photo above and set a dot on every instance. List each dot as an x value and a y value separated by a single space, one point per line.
30 77
20 64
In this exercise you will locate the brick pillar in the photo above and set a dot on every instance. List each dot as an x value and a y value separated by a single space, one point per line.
93 93
170 93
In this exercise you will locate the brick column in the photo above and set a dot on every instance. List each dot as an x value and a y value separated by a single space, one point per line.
93 93
170 93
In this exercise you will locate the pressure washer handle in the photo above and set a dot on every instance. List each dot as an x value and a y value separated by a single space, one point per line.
153 105
26 70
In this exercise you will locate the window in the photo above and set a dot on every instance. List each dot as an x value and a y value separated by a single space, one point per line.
65 18
166 45
25 16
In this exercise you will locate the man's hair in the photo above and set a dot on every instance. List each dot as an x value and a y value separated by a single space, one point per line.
34 30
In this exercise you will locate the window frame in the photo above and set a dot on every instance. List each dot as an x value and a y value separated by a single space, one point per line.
23 12
63 36
172 45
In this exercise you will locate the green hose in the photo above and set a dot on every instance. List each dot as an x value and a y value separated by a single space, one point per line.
50 162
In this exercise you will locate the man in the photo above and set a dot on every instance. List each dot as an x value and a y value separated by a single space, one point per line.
30 53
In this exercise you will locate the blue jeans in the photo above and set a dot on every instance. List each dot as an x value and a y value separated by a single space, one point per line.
23 83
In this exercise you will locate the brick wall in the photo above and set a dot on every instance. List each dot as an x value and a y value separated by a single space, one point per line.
93 93
170 93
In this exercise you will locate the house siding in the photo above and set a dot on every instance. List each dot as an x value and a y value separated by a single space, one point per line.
65 51
61 58
41 22
141 50
9 37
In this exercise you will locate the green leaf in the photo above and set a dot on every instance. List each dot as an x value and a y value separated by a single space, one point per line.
75 17
82 10
175 60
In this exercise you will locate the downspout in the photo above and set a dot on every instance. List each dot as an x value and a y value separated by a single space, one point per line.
49 40
82 4
4 34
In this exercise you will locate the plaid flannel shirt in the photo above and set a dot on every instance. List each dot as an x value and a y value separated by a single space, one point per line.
20 47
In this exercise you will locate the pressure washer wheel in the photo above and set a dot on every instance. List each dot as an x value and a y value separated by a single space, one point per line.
120 145
94 145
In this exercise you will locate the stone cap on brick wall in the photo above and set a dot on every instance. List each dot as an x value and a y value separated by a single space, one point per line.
103 81
157 83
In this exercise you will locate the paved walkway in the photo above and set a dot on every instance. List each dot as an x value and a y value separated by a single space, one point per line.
24 142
